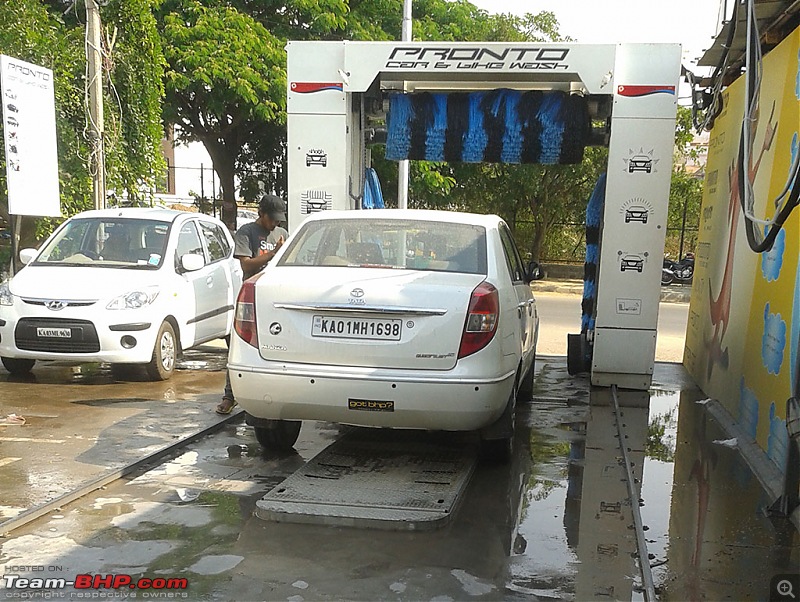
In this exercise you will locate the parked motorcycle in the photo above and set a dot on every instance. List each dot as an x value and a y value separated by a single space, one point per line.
681 271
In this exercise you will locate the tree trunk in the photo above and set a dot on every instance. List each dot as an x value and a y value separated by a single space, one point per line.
539 233
227 185
225 166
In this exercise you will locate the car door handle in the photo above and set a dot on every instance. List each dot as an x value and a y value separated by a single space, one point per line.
210 281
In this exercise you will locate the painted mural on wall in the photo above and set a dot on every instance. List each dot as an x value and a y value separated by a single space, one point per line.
744 318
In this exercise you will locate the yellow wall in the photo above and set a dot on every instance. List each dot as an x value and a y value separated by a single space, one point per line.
744 318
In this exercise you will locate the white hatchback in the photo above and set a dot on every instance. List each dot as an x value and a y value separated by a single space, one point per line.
121 286
387 318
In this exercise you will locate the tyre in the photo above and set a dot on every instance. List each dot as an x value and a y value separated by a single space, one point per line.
576 360
280 435
525 390
18 366
666 278
500 451
165 354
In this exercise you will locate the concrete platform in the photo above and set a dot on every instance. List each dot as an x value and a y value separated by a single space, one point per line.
377 479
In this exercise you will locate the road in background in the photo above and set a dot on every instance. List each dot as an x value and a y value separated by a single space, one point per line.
561 314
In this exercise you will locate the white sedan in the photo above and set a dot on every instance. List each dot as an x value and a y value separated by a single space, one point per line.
121 286
387 318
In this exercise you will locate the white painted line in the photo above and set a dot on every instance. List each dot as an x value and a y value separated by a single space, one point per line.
30 440
6 461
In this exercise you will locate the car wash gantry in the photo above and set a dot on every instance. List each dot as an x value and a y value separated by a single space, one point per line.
510 103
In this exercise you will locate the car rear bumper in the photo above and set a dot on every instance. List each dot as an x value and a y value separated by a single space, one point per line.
434 401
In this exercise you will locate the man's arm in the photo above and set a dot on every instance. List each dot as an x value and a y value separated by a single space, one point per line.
254 264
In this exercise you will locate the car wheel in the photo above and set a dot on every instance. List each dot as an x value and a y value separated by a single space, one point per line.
525 391
165 354
280 435
18 366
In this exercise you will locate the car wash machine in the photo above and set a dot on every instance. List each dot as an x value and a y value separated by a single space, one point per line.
512 103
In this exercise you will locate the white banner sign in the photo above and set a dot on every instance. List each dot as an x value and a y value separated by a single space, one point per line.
29 125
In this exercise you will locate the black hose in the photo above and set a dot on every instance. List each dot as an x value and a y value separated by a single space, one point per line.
794 194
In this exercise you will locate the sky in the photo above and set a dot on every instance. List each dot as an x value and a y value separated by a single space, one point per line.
692 23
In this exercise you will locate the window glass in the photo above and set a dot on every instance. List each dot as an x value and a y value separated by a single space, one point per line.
390 243
104 242
513 260
216 242
188 242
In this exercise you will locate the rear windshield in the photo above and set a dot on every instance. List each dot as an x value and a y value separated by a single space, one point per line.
389 243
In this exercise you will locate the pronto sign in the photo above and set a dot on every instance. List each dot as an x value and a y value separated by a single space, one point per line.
29 128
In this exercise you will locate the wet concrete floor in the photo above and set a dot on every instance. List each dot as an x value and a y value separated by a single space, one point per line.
553 524
83 421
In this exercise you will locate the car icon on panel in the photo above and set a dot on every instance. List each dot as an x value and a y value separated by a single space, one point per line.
631 262
316 157
636 214
12 121
640 163
12 108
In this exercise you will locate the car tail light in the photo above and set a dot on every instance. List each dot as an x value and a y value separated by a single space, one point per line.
482 317
244 322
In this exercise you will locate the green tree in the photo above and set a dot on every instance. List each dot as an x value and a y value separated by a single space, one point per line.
686 190
225 83
49 35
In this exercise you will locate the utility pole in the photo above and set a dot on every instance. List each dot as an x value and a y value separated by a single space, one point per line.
403 168
94 60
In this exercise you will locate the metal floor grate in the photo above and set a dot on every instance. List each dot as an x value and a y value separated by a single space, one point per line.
363 480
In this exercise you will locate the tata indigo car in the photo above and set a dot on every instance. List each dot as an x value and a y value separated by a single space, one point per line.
387 318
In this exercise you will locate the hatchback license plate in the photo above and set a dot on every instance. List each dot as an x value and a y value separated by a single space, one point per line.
54 333
357 328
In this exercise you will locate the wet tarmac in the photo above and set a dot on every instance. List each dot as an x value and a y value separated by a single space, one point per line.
553 524
83 421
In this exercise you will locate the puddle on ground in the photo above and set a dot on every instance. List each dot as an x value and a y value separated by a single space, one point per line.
552 524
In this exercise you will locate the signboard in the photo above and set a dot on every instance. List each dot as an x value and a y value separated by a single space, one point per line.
744 318
29 128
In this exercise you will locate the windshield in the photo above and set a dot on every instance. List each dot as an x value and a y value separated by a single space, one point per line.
107 242
389 243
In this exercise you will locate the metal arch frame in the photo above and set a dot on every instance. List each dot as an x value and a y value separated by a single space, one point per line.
329 81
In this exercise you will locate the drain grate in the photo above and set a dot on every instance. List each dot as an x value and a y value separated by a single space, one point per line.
360 480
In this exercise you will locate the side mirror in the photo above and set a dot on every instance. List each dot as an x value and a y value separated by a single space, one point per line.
27 255
191 262
534 271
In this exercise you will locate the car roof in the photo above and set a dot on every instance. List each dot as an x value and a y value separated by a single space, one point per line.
455 217
155 213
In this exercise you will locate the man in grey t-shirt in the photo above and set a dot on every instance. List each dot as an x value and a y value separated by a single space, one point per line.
256 245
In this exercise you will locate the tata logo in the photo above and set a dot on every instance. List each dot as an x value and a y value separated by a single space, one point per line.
55 305
275 328
357 293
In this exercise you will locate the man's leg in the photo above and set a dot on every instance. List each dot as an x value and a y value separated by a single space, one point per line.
228 402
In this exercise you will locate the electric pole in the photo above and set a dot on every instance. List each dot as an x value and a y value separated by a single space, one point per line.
94 60
403 168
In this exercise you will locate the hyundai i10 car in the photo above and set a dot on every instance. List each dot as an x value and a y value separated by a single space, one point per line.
125 286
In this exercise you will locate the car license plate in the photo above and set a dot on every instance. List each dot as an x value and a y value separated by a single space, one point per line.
54 333
357 328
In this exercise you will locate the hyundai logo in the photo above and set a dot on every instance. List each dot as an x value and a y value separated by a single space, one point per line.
55 305
357 293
